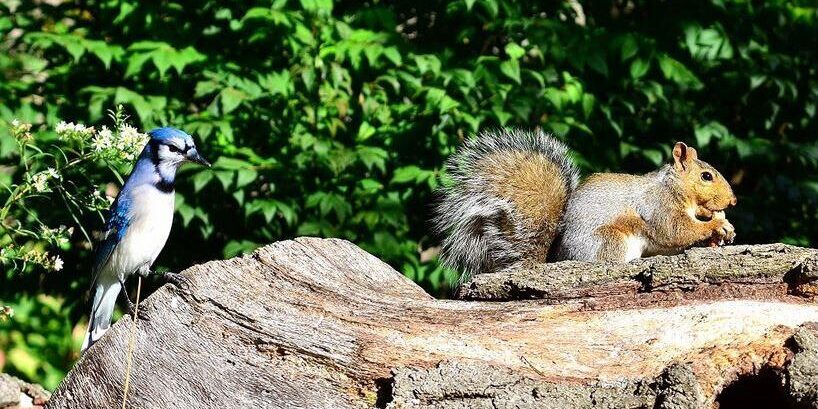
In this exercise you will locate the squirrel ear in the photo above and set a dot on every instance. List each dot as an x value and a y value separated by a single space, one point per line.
681 155
692 154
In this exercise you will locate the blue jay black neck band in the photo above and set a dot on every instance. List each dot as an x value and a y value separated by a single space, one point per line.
165 185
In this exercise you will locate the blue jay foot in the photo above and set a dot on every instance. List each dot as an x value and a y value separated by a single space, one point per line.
178 280
130 306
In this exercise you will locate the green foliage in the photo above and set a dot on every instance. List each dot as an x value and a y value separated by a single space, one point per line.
39 340
334 119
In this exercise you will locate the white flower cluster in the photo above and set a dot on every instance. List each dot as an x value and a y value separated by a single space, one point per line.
101 202
12 254
67 128
125 145
6 312
21 131
103 140
70 130
132 141
40 179
58 237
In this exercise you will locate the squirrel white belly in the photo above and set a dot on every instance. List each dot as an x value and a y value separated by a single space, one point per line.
515 197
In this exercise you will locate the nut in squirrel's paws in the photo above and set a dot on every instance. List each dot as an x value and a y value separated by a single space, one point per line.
724 234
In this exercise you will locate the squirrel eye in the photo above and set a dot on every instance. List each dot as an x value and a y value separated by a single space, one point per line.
707 176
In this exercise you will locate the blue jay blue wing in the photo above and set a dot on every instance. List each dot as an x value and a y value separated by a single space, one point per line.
115 229
107 287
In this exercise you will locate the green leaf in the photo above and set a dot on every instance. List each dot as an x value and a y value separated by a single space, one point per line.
225 177
277 83
757 80
201 179
629 47
653 155
317 5
230 99
437 98
371 186
588 102
245 177
239 196
677 72
163 60
105 52
407 174
144 105
365 131
373 157
287 212
187 56
511 69
705 133
187 214
135 63
237 247
393 55
555 96
428 64
559 128
639 68
226 162
514 51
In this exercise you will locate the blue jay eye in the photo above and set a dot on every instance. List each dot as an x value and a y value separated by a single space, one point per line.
173 148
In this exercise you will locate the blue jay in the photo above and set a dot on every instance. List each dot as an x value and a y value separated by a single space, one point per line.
138 224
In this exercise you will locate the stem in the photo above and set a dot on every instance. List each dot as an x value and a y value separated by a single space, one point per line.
131 343
63 193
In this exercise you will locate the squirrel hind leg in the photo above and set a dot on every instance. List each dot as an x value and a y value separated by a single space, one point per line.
615 248
619 247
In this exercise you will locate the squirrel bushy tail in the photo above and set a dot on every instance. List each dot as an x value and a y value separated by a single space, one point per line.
506 200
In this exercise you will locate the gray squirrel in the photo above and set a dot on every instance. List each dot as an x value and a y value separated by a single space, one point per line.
516 198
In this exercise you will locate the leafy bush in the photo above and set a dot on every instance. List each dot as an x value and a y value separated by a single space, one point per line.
51 186
333 119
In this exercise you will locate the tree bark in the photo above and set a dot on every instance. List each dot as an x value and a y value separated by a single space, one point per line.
319 323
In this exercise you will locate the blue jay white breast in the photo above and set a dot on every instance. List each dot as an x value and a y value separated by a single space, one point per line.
150 223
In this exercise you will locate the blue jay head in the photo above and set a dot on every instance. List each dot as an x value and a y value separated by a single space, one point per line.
173 147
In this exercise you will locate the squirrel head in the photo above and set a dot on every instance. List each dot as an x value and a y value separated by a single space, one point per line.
701 181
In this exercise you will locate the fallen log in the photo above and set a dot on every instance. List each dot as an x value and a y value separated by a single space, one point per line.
319 323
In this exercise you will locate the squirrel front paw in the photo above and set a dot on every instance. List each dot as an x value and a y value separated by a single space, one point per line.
724 232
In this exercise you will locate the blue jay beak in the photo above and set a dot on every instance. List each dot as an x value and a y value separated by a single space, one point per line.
194 156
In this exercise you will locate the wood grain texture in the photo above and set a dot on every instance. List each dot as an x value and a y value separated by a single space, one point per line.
768 271
319 323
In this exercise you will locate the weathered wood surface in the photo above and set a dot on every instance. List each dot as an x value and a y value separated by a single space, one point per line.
315 323
770 271
17 394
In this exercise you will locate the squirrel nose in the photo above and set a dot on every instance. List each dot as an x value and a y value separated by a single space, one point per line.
733 200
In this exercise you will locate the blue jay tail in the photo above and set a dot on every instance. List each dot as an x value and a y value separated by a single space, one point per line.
106 293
